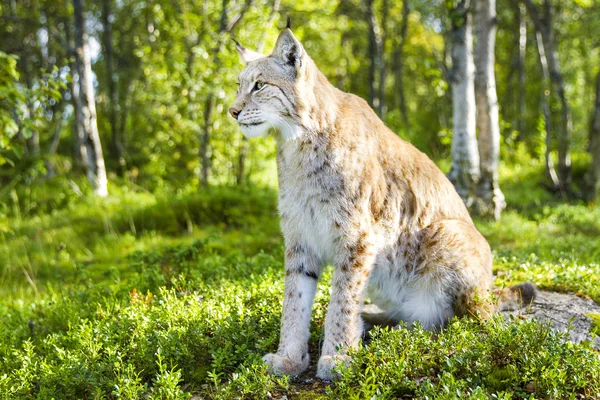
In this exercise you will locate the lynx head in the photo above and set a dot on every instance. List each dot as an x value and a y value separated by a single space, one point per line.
270 91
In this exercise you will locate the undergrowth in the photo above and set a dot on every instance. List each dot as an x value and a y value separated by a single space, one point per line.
169 296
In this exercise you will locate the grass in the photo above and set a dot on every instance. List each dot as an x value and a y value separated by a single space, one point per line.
165 297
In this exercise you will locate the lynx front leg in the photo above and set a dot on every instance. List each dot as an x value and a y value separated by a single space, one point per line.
343 324
302 271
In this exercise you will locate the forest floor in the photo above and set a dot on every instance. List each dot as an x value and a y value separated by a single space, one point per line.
168 297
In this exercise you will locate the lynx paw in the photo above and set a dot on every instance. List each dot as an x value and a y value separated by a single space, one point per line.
327 363
279 365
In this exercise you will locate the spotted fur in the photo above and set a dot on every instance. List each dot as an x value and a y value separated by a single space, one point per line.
353 194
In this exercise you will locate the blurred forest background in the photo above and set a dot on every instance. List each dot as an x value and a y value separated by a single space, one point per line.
136 92
140 251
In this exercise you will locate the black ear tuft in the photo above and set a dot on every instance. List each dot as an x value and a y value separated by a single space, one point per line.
245 54
289 22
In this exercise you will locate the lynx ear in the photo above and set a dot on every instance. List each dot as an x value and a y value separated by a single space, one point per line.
245 54
289 50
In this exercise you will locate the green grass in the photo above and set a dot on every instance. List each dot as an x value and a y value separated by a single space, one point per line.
162 297
595 323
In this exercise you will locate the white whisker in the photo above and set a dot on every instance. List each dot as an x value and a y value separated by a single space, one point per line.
287 130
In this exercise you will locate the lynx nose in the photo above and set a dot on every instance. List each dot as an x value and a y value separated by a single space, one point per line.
234 113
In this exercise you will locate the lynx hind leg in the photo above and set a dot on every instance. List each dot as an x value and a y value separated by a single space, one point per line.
475 302
456 268
373 316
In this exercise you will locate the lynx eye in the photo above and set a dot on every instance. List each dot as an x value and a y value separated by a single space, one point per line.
258 86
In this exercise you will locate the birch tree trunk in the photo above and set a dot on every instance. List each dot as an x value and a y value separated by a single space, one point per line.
205 155
522 11
58 124
226 27
491 197
116 144
545 103
543 25
399 65
464 173
382 108
33 143
86 117
241 170
74 87
593 175
372 50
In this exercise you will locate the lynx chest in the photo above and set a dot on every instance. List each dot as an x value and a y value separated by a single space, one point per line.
309 198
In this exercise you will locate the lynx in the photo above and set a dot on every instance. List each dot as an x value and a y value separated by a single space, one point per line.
355 195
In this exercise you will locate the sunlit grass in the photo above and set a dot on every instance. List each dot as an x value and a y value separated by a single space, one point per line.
160 296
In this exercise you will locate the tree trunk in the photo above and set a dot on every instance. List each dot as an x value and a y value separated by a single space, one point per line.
32 147
550 171
522 11
372 50
342 79
399 65
55 136
543 25
243 152
382 109
116 143
125 102
76 100
96 171
53 147
593 175
489 192
205 138
464 173
34 141
227 26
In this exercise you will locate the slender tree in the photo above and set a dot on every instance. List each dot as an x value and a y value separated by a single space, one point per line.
74 87
116 144
464 173
89 137
373 54
593 175
55 141
399 64
226 26
193 40
521 12
382 107
551 175
492 199
33 143
241 170
543 23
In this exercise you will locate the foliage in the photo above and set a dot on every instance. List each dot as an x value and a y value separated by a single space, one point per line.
10 99
23 109
165 291
497 359
165 296
166 67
